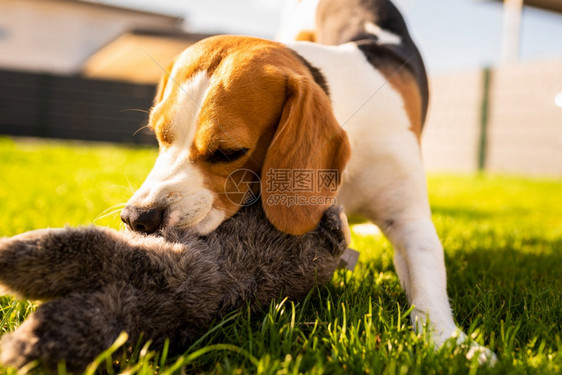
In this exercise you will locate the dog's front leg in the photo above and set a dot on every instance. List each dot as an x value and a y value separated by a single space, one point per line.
418 259
387 184
420 266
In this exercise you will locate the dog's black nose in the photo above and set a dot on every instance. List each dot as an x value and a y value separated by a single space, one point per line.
142 219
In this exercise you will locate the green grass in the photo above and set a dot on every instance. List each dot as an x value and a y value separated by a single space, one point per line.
503 241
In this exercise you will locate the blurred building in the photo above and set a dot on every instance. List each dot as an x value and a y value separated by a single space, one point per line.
79 70
78 38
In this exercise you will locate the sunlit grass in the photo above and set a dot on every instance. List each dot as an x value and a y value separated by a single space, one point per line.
503 241
54 184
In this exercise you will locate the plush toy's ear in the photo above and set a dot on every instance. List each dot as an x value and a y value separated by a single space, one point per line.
305 160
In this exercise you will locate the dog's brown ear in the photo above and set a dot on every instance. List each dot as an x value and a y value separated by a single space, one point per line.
305 160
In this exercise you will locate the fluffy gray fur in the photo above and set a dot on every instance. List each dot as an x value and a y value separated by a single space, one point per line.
99 282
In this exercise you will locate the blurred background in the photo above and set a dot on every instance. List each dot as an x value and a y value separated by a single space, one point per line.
87 70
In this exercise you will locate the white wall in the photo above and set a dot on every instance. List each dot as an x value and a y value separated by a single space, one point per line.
58 36
451 134
524 132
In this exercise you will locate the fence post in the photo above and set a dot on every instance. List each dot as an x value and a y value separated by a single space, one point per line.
484 118
44 92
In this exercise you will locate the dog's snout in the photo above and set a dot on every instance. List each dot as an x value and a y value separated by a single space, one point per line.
142 219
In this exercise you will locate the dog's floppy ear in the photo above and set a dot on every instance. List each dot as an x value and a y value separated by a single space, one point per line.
305 160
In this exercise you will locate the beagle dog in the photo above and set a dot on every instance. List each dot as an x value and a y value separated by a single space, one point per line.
282 121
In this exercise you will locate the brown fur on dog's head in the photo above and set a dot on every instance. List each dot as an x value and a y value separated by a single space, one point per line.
233 103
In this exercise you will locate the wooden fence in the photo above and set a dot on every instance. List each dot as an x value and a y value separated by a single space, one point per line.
41 105
504 120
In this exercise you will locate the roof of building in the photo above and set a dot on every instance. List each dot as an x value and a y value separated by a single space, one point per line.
138 56
97 4
550 5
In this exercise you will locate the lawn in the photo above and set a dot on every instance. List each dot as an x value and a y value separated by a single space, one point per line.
503 241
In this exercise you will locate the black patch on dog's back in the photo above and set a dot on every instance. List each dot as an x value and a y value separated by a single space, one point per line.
343 21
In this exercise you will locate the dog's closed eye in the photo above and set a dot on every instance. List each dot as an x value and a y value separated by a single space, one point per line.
226 155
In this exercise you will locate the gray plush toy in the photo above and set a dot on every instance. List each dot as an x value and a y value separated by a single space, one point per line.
99 282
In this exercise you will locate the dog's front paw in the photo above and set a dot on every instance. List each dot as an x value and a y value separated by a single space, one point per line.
484 355
475 350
